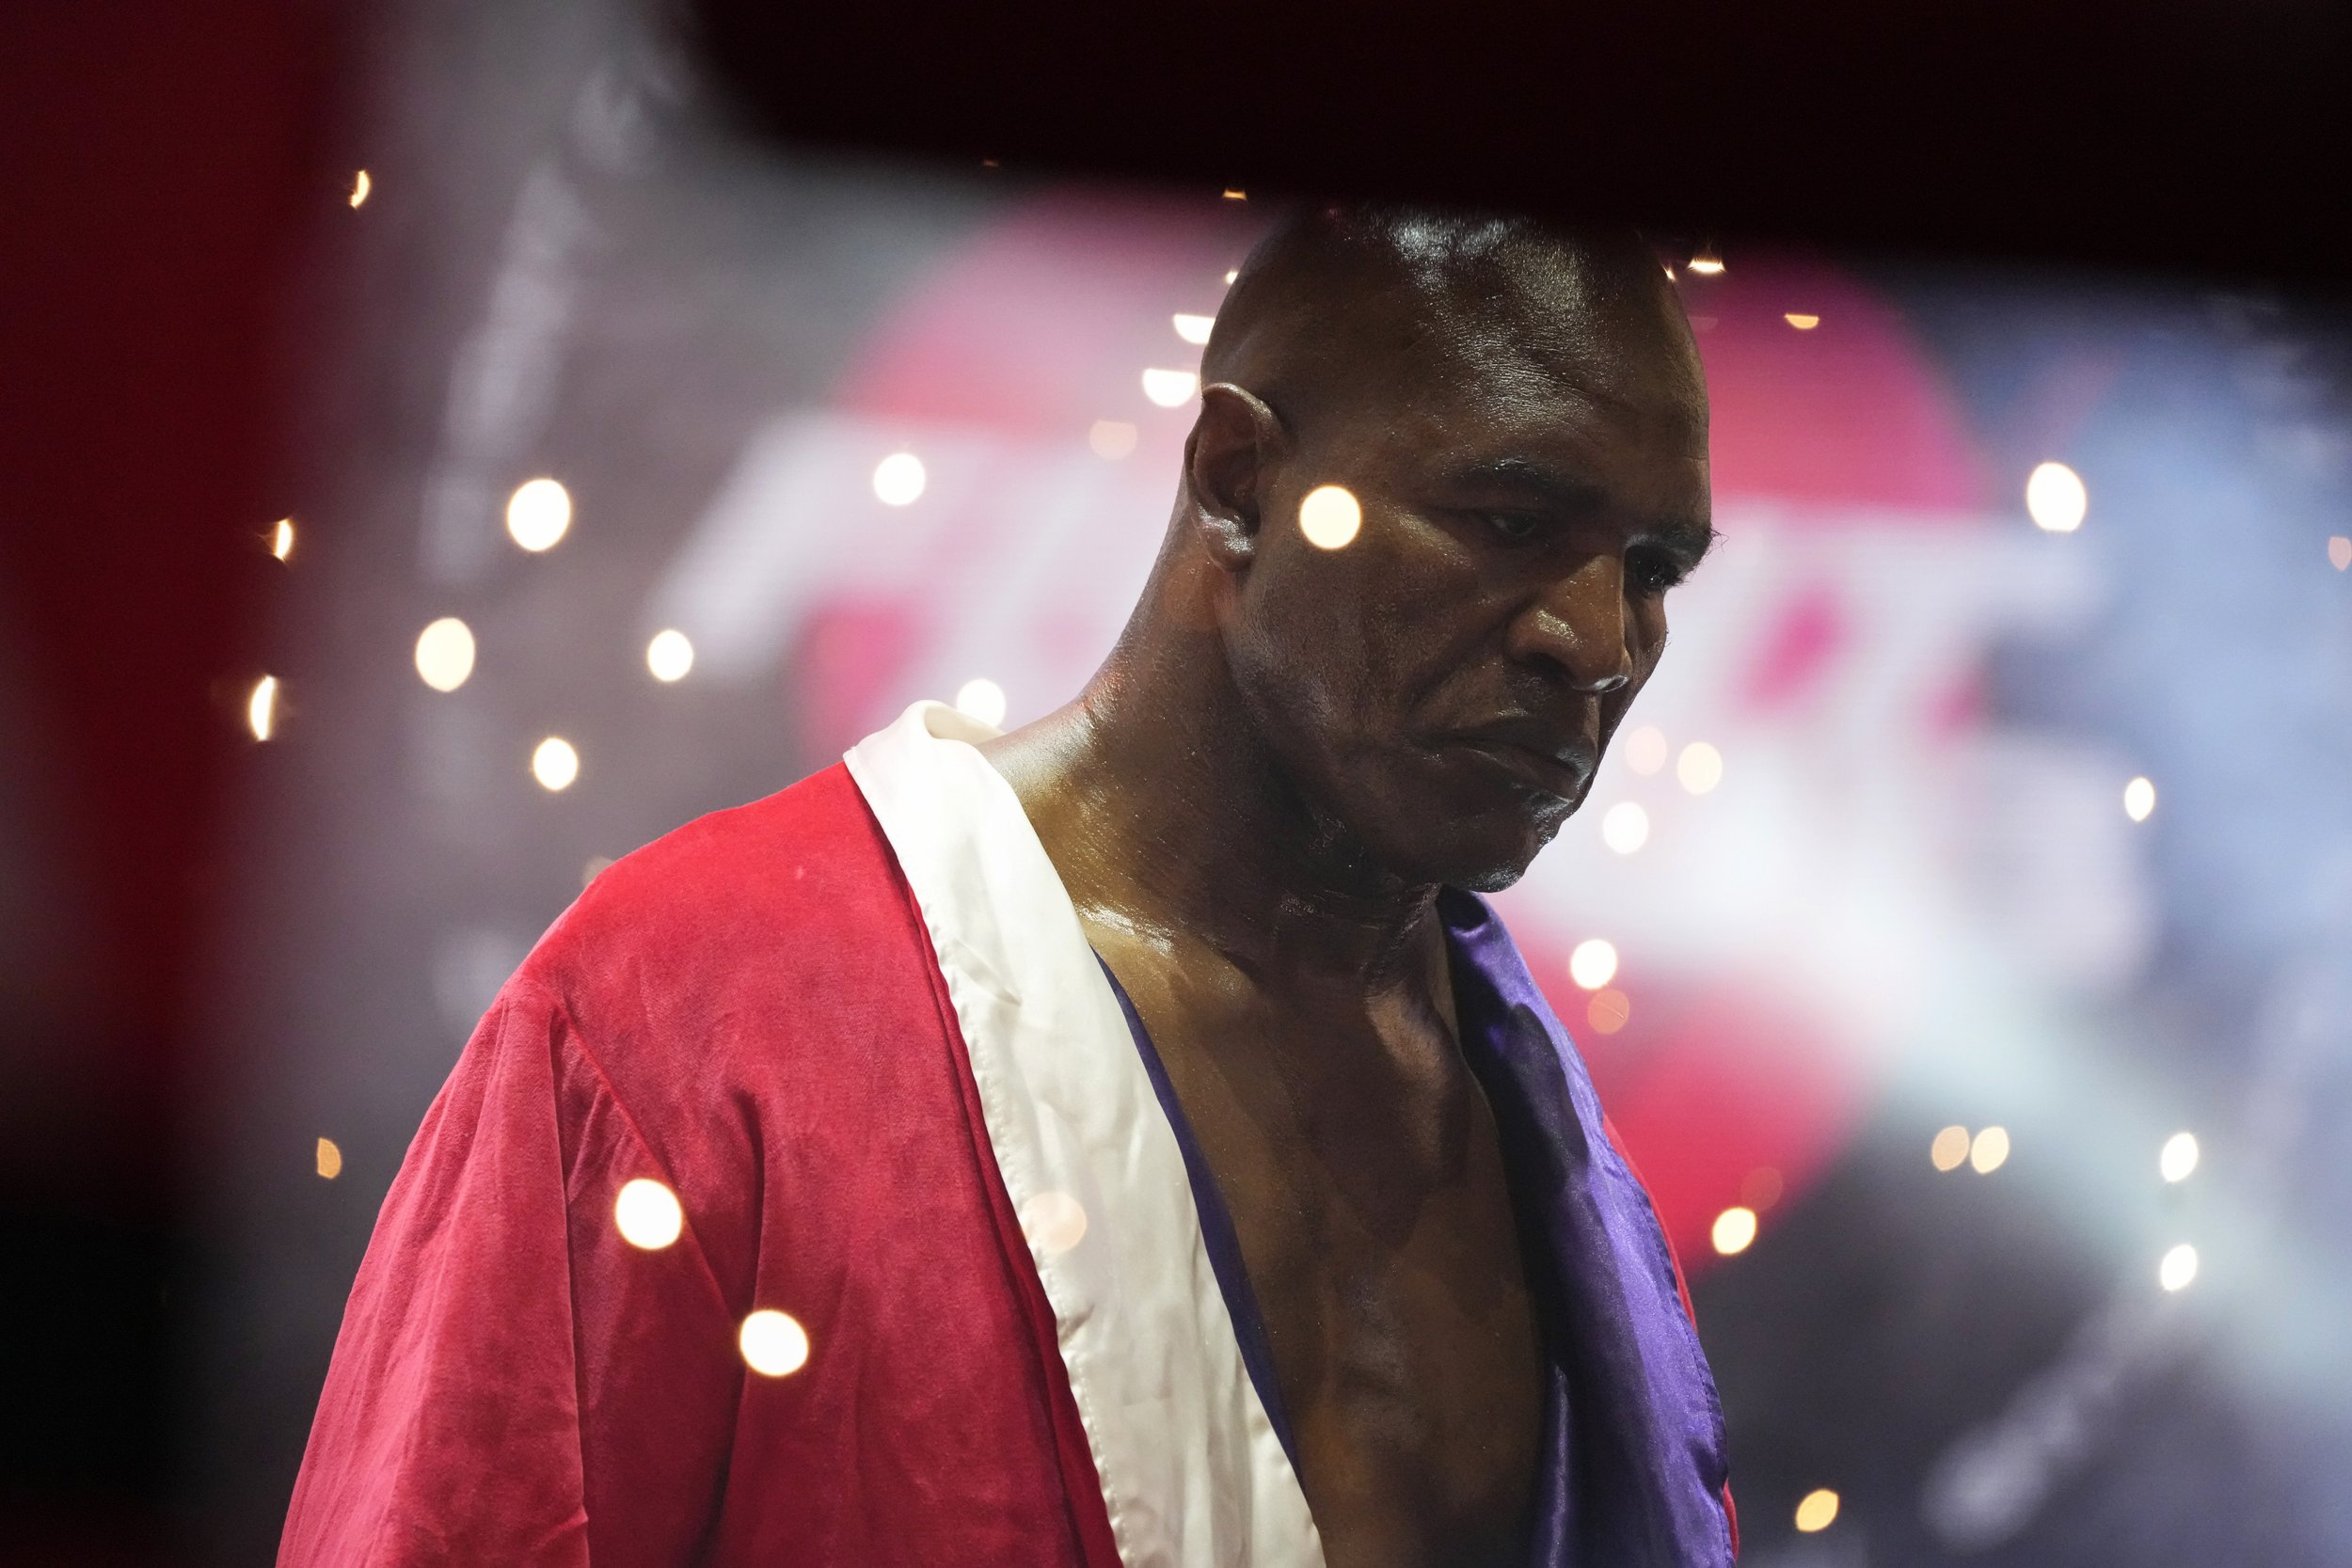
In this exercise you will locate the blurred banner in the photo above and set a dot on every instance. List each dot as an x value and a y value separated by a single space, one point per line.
1961 931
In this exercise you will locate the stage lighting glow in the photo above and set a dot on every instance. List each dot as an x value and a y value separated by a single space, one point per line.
445 654
2177 1160
1232 273
982 699
1735 1227
1949 1148
1169 388
1329 517
554 764
360 186
1700 768
2056 498
772 1343
1801 323
260 708
1593 963
1111 438
1625 827
2140 798
1194 329
331 1159
2340 553
648 1214
2178 1268
1706 262
1818 1512
282 538
899 478
1609 1010
1645 750
538 514
1053 1221
1234 194
1989 1151
670 655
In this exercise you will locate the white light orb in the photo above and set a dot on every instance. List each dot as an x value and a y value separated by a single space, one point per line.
1735 1227
1111 439
1194 329
1700 768
1949 1148
1053 1222
774 1343
1329 517
360 186
1625 827
982 699
445 654
1818 1511
1593 963
669 656
2140 798
1645 750
2340 553
538 514
2056 498
282 538
2177 1160
1989 1151
260 708
2178 1268
899 478
554 764
1169 388
648 1214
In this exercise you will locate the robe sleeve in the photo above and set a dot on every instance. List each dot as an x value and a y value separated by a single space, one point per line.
514 1384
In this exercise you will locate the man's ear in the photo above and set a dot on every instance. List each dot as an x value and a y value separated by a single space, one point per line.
1236 446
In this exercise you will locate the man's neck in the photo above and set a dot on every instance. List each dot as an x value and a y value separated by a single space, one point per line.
1168 818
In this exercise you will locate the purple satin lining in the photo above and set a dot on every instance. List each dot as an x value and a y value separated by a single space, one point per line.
1633 1465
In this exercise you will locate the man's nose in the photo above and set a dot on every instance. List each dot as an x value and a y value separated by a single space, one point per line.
1578 624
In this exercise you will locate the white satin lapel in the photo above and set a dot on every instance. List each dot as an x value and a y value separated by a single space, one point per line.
1190 1467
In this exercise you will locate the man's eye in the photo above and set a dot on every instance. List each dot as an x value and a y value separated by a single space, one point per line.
1515 526
1652 572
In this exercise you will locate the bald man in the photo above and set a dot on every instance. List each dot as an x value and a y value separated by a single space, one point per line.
1128 1140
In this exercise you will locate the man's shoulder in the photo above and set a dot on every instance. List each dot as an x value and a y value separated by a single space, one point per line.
777 883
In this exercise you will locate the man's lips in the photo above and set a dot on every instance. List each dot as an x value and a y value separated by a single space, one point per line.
1556 768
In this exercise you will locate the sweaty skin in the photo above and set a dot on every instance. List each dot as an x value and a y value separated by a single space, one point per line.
1255 801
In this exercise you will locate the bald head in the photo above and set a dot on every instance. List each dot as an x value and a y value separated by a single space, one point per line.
1346 308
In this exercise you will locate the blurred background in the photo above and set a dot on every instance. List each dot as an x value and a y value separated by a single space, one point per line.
527 450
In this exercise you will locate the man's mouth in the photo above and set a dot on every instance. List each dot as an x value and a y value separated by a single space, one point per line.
1563 769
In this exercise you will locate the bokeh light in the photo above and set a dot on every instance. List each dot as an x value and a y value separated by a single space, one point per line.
360 186
2340 553
1625 828
1111 438
555 763
331 1159
260 708
538 514
899 478
1609 1010
670 655
2177 1160
1329 516
2178 1268
1645 750
648 1214
982 699
1706 262
774 1343
2140 800
445 654
1169 388
1593 963
2056 498
1734 1230
1989 1151
1761 1188
1053 1222
1194 329
282 538
1800 322
1949 1148
1700 768
1818 1511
